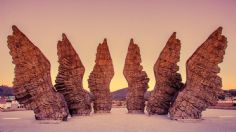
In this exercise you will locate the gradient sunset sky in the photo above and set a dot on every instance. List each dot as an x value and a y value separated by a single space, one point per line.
150 22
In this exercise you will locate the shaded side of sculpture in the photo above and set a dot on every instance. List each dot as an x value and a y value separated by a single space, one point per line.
69 80
137 79
168 81
203 85
100 78
32 83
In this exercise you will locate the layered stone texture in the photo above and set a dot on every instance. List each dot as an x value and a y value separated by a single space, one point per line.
100 78
168 81
69 80
137 79
32 83
203 85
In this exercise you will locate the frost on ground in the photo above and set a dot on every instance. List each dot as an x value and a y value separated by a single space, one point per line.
118 120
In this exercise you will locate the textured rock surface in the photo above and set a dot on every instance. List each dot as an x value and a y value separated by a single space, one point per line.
137 80
203 85
69 80
100 78
168 81
32 82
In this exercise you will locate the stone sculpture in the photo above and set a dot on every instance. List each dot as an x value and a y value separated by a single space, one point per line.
137 80
168 81
32 83
69 81
100 78
203 85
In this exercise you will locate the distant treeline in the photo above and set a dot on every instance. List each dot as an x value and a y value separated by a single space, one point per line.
6 91
232 92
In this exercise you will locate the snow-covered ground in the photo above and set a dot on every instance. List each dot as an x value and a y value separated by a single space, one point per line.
119 121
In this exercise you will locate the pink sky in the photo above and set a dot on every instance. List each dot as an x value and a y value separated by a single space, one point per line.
149 22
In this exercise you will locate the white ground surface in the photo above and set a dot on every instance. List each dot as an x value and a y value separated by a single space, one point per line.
119 121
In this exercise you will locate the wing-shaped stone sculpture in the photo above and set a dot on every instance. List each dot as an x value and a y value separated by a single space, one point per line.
203 85
32 83
100 78
168 81
137 79
69 81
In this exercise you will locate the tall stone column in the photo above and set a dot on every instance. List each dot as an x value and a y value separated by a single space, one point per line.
32 83
137 80
69 80
168 81
203 85
100 78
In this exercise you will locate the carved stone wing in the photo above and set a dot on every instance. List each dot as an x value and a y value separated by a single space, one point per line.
32 83
203 85
168 81
69 80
